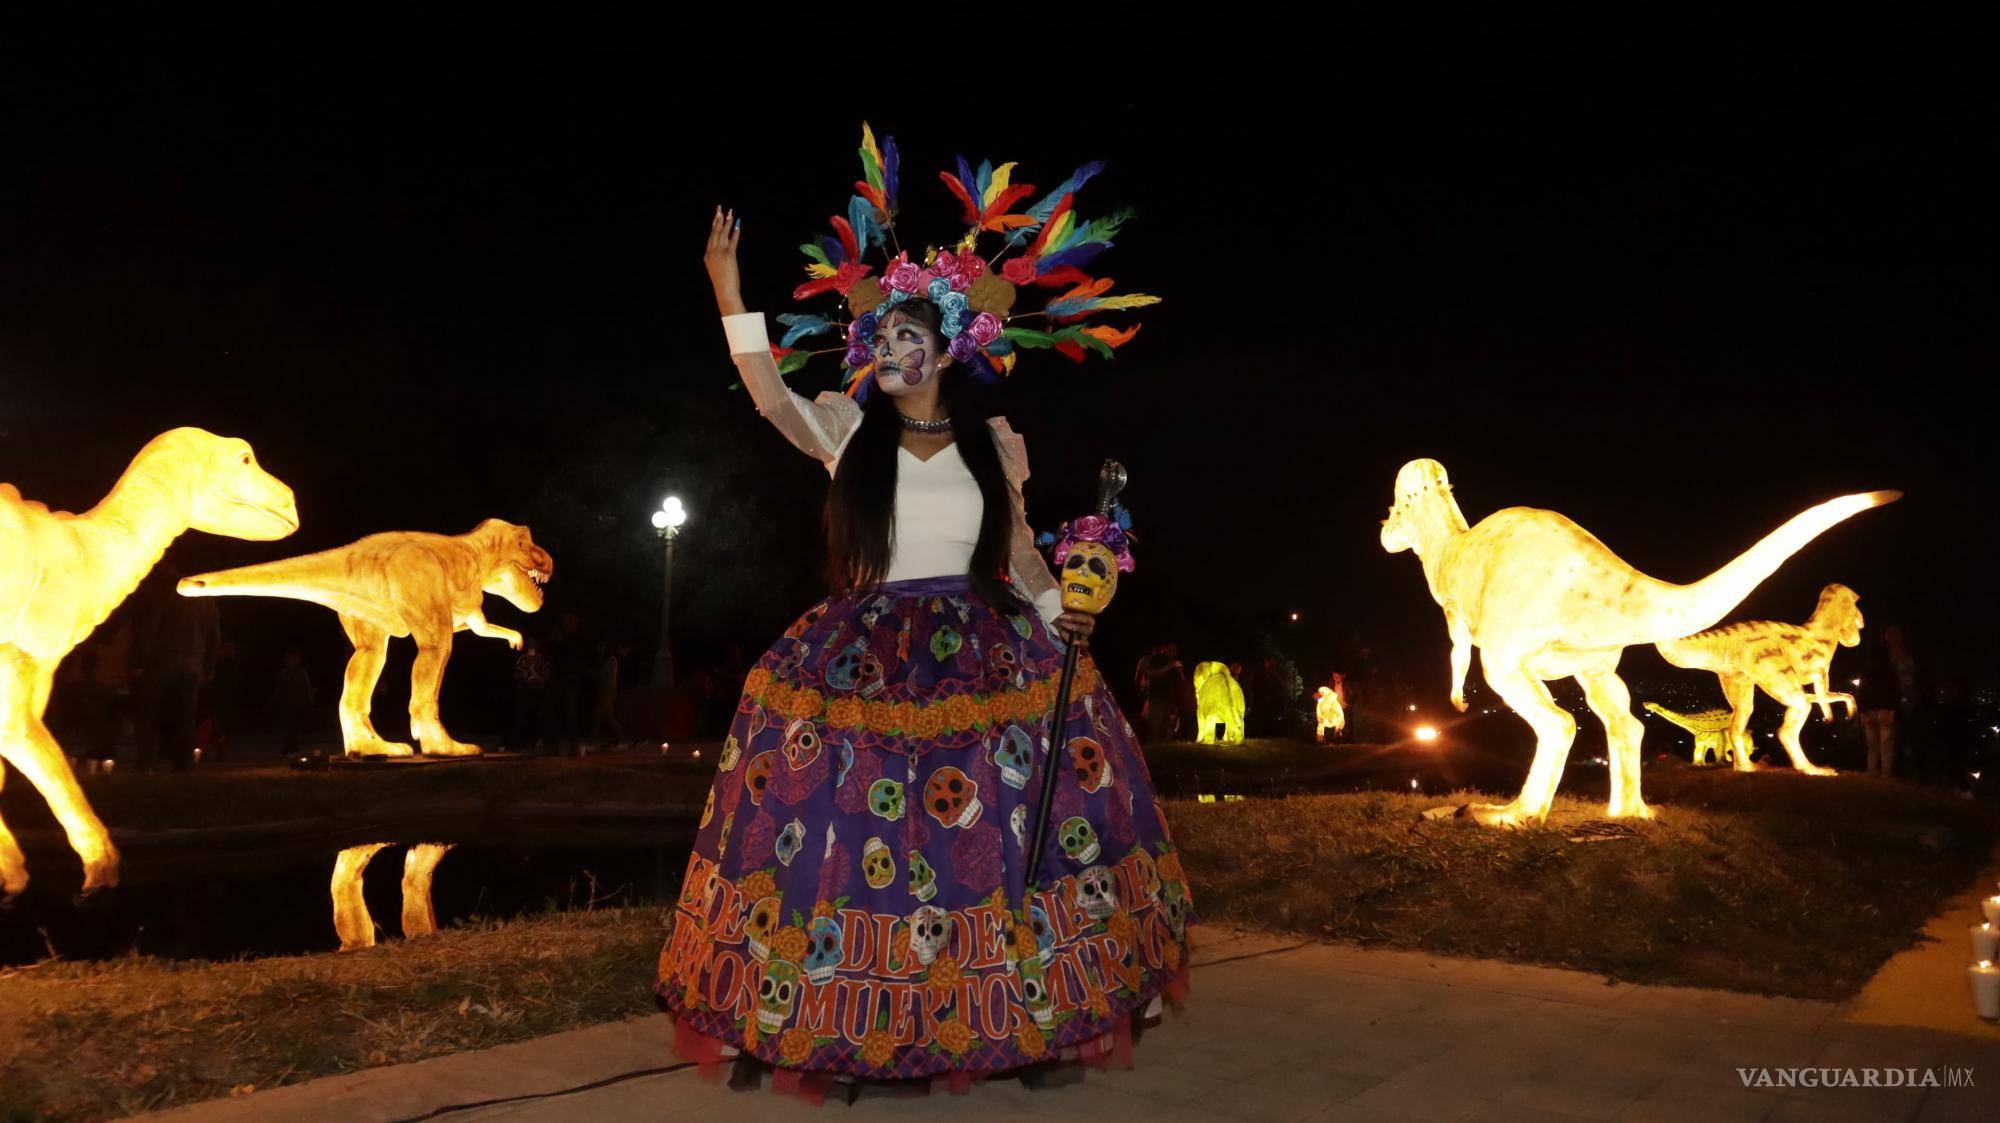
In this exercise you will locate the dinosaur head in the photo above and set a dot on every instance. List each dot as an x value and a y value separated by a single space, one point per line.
1840 607
228 493
516 568
1423 498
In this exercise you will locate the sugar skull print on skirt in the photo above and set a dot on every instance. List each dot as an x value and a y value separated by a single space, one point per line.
855 906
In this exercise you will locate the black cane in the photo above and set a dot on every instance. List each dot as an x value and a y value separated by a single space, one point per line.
1110 481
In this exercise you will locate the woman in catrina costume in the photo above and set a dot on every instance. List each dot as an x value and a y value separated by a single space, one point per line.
855 907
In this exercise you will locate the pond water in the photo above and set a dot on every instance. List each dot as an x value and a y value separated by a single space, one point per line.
282 907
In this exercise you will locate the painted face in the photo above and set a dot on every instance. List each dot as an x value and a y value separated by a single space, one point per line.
907 355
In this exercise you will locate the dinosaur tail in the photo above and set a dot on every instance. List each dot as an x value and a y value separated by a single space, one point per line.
321 579
1688 609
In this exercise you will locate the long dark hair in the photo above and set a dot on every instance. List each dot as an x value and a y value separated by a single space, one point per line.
861 504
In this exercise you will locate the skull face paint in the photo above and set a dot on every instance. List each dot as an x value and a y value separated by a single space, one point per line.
907 354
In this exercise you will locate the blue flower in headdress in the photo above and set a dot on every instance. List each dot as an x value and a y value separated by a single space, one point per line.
1122 516
952 306
939 287
1044 540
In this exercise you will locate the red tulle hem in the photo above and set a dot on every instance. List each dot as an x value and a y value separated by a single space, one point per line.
712 1057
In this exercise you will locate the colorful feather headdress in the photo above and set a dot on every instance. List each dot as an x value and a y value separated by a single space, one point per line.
1051 246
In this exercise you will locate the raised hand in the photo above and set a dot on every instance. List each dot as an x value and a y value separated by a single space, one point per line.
724 231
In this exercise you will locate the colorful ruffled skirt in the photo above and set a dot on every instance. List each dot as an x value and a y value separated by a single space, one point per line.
855 904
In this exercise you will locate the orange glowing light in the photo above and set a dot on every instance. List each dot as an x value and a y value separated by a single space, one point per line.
1427 733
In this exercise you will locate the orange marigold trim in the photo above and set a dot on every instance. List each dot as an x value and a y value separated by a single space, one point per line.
845 713
944 973
955 1036
878 1047
795 1046
1030 1040
790 944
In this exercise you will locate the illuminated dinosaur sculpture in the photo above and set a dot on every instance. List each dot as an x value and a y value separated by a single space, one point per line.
1328 713
1713 743
403 583
1218 700
1543 599
62 574
1789 662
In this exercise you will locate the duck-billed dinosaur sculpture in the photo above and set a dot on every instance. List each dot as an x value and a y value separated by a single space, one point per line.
402 583
62 574
1543 599
1790 662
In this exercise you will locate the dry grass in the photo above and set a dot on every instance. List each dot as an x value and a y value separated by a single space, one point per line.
83 1041
1772 883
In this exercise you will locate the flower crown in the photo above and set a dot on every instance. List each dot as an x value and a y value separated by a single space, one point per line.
1050 247
1112 531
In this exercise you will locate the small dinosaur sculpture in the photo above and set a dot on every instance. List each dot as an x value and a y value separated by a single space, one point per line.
1543 599
1790 662
402 583
1712 740
62 574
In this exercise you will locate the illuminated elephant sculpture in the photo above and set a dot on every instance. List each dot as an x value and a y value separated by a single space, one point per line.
1543 599
1789 662
403 583
62 574
1328 713
1218 700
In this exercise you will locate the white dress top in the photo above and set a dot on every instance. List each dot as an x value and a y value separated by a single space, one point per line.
938 508
938 504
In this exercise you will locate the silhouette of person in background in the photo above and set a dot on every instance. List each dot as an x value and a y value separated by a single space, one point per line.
175 641
1878 697
294 700
531 681
568 654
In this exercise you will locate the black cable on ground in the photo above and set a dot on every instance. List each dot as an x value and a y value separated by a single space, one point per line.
662 1071
590 1087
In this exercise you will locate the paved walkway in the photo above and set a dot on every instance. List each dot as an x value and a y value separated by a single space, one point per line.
1281 1031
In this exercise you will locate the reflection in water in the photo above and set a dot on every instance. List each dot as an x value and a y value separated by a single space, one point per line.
351 920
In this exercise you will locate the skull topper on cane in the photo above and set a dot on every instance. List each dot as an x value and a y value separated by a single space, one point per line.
1090 553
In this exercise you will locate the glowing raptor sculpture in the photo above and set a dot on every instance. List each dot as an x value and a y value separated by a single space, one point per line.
403 583
1790 662
1543 599
62 574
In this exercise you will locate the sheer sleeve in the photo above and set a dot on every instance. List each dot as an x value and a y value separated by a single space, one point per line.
1024 563
818 427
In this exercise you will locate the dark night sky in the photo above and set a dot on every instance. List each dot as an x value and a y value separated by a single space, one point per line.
1676 309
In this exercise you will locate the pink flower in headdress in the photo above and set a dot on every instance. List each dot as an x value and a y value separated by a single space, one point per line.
1019 270
906 277
1089 528
986 328
946 266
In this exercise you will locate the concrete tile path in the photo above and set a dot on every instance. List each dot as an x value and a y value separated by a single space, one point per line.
1285 1032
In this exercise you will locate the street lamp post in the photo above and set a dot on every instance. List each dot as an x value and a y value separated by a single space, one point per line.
668 521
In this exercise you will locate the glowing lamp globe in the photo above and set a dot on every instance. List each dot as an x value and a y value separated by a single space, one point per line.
1426 734
671 515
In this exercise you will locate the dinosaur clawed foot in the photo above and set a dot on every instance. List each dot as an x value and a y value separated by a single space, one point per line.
375 746
1632 808
1498 814
445 746
1817 770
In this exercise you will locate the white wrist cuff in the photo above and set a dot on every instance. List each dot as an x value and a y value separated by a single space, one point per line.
746 334
1049 606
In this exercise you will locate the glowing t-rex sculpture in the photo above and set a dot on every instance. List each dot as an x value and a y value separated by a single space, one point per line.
403 583
1789 661
62 574
1713 743
1543 599
1218 700
351 919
